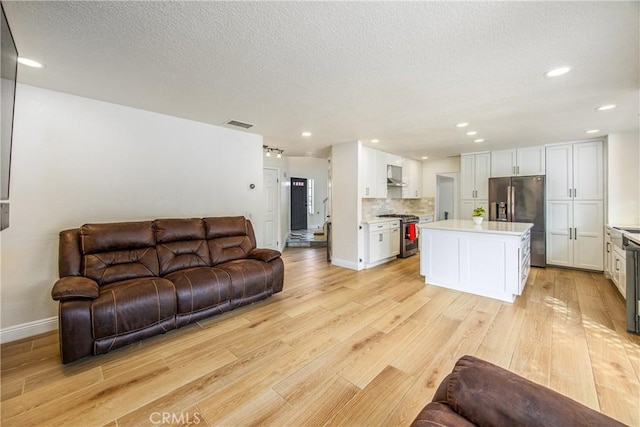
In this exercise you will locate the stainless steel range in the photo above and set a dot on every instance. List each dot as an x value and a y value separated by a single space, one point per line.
408 235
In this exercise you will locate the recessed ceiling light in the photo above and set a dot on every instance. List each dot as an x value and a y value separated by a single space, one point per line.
473 132
478 140
606 107
375 141
425 157
30 63
558 72
306 133
462 125
593 131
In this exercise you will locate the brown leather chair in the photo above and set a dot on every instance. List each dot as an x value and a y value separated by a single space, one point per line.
478 393
123 282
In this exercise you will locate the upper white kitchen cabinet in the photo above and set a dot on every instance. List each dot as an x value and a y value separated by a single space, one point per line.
474 176
412 176
374 176
575 171
394 159
518 162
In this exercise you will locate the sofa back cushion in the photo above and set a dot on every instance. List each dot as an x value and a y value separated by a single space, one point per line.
118 251
229 238
181 244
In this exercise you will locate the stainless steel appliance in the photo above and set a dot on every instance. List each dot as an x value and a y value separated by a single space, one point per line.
521 199
408 234
633 280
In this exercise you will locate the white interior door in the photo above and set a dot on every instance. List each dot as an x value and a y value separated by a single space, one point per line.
271 206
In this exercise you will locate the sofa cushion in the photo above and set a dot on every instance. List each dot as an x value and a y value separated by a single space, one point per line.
200 288
228 238
181 244
118 251
131 305
251 280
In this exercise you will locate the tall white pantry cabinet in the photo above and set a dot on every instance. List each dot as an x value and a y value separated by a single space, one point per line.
475 171
575 205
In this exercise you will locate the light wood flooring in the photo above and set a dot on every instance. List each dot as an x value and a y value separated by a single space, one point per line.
336 347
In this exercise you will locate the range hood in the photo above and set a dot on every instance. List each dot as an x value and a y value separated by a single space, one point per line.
394 176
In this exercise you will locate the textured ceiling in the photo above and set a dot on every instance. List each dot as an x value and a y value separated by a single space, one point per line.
401 72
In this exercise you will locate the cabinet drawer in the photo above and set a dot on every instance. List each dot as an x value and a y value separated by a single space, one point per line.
379 226
394 224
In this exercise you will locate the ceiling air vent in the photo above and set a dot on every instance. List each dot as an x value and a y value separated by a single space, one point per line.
239 124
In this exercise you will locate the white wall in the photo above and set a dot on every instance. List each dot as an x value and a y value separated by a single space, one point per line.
432 167
623 179
346 206
282 164
318 170
77 160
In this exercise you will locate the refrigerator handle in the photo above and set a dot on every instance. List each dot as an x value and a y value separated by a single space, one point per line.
509 213
513 203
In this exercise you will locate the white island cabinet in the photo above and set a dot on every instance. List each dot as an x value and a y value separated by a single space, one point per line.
491 259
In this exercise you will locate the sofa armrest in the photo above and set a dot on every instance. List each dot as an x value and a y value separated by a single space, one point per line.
486 394
75 287
266 255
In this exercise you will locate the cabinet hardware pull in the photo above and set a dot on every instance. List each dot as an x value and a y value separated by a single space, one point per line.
575 234
575 193
379 237
569 233
608 247
569 192
517 170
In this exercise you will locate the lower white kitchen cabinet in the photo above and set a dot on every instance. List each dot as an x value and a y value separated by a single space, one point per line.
608 254
382 241
575 234
619 270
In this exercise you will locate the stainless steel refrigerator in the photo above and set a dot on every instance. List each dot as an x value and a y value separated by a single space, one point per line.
521 199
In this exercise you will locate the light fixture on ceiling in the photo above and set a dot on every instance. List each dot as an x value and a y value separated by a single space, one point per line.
606 107
471 133
30 63
462 125
557 72
268 150
375 141
593 131
425 157
306 134
478 140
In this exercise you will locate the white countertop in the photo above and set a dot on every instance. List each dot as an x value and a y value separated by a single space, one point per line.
635 237
493 227
377 220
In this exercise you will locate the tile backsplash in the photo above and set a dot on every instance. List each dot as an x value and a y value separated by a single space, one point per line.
374 207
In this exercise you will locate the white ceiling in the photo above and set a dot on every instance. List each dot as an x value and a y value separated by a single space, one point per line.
401 72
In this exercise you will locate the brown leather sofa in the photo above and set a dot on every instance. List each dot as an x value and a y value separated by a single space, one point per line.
478 393
123 282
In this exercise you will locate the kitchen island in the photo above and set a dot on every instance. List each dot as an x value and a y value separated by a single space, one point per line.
491 259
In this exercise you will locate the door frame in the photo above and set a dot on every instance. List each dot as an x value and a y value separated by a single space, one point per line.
279 240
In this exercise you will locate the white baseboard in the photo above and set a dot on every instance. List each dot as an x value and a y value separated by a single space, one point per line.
29 329
345 264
